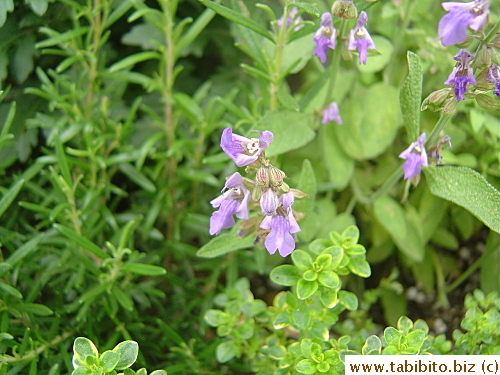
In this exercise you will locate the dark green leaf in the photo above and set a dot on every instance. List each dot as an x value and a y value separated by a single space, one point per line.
10 195
81 241
144 269
223 244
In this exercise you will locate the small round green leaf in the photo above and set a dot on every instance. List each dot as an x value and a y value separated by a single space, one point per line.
310 275
82 348
286 275
328 297
359 266
324 261
128 351
109 359
227 351
349 300
306 366
337 253
306 289
392 336
329 279
215 318
415 339
301 317
302 260
372 346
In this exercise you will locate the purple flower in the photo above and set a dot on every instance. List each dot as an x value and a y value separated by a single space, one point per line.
233 201
360 39
325 37
291 18
493 76
462 74
331 113
244 151
415 156
453 25
282 225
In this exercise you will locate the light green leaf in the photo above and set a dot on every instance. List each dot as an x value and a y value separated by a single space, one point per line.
411 96
128 351
5 6
372 346
237 18
306 366
39 6
144 35
144 269
306 289
294 130
308 8
349 300
467 188
24 250
6 288
23 58
215 318
129 61
109 360
226 351
194 30
307 184
367 133
223 244
301 316
82 348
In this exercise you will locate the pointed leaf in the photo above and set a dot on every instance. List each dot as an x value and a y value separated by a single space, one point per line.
410 97
128 351
223 244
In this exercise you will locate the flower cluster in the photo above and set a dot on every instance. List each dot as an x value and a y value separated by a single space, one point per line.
359 38
268 192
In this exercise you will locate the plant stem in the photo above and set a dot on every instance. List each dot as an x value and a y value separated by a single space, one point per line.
335 64
278 56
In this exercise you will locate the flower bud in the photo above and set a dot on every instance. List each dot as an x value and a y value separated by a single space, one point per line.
487 102
496 42
262 176
276 176
483 57
284 188
435 100
449 106
344 9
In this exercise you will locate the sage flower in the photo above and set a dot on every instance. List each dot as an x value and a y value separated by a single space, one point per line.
325 37
360 39
462 74
244 151
331 113
453 26
283 226
416 157
234 201
291 18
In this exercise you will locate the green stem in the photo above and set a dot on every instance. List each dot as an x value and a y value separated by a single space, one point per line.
335 64
278 57
442 298
435 133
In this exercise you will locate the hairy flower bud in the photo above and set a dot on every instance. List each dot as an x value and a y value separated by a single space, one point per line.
344 9
435 100
262 176
276 176
449 106
487 102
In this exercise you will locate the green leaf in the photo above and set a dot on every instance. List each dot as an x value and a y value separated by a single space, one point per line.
223 244
82 348
144 35
301 316
411 97
349 300
5 6
416 339
81 241
281 122
109 360
306 366
6 288
308 8
34 308
144 269
215 318
138 177
369 132
25 249
227 351
373 346
302 260
467 188
392 336
39 6
128 351
10 195
329 279
129 61
337 254
194 30
306 289
23 58
328 297
123 298
307 184
391 216
338 164
359 266
285 274
237 18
